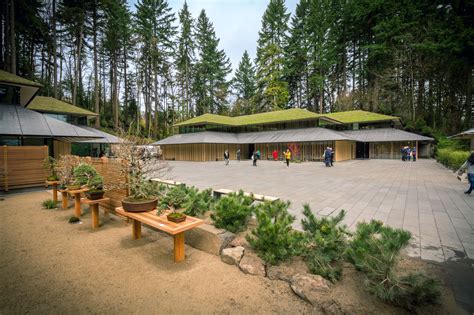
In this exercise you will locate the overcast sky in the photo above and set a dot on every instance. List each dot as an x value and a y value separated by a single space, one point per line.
236 22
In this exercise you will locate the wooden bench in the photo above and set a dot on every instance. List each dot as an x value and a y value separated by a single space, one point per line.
161 223
94 206
167 182
219 192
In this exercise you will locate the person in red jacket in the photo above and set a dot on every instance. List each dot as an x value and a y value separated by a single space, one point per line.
275 155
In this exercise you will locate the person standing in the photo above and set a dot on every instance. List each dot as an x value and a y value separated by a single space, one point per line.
275 155
327 157
332 157
408 154
287 157
226 157
237 153
413 154
258 154
254 158
469 167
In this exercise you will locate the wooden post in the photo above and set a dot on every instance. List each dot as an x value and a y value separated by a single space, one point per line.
179 247
417 150
77 204
95 215
136 229
64 199
5 168
55 193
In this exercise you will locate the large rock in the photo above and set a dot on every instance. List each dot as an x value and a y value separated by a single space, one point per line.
310 287
252 264
286 270
239 240
208 238
232 255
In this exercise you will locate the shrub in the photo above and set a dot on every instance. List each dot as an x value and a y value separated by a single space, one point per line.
48 204
324 244
175 198
74 219
232 212
83 173
375 250
451 158
198 203
273 238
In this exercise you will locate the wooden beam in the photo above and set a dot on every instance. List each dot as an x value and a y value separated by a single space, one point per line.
179 247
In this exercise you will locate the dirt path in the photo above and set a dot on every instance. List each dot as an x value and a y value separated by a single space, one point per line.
50 266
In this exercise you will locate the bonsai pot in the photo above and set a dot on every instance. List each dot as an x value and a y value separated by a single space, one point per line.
176 217
52 178
73 187
134 205
95 194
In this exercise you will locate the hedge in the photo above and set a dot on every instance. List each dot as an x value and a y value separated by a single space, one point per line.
452 159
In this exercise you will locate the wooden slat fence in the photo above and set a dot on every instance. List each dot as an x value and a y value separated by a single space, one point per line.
22 167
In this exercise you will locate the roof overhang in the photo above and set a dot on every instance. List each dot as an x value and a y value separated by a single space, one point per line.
465 135
104 137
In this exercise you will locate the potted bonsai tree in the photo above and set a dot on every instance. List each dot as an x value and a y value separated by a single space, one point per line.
65 171
86 175
175 199
49 164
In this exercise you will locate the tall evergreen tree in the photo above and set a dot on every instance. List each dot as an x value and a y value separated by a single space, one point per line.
244 86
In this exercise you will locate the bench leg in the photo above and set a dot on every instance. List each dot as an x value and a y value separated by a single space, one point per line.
179 247
95 215
64 199
55 193
136 229
106 214
77 204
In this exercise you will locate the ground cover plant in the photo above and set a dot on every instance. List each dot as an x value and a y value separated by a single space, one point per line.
324 243
48 204
233 211
74 219
274 239
375 251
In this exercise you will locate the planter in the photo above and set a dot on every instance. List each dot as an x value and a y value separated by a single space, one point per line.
73 187
133 205
52 178
95 195
176 217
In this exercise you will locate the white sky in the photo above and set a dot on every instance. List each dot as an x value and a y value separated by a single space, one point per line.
236 22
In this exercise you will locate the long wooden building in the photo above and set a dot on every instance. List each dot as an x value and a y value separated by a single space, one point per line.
352 135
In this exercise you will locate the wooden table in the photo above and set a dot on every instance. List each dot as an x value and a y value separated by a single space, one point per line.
94 206
53 183
77 199
161 222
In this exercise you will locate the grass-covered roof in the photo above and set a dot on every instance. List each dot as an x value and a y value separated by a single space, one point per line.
255 119
358 116
52 105
8 77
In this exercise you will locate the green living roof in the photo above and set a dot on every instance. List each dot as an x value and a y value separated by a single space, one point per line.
357 116
8 77
261 118
52 105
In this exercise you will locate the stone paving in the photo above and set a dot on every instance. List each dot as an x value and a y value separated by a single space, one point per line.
422 197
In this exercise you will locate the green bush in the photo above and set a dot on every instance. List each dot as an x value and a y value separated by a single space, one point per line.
324 244
48 204
451 159
274 239
232 212
74 219
83 173
175 198
375 250
198 203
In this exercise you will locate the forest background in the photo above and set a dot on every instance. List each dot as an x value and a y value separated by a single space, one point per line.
146 68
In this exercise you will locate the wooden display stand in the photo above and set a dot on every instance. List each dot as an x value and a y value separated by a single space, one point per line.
64 200
77 199
94 206
161 223
55 184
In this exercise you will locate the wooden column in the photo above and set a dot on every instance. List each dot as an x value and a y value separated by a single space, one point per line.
179 247
95 215
64 199
5 167
136 229
55 193
77 204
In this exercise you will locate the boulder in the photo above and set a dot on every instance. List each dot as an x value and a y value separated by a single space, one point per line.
208 238
232 255
252 264
286 270
310 287
239 240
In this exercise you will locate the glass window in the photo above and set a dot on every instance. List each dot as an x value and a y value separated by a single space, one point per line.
12 141
9 95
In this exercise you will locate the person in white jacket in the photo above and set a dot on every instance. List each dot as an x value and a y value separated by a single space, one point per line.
469 167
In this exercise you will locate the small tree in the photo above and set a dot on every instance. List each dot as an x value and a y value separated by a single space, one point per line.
274 239
65 168
232 212
49 165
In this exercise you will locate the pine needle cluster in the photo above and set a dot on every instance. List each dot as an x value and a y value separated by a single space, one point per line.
232 212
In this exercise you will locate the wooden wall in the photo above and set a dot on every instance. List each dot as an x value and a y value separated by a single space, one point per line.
389 150
344 150
303 151
61 148
22 166
202 152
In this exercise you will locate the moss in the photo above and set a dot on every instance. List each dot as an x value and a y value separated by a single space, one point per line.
52 105
14 79
358 116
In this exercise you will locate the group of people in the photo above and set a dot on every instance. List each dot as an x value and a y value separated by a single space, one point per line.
328 157
468 167
408 154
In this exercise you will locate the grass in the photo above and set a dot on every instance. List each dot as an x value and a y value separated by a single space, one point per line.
52 105
48 204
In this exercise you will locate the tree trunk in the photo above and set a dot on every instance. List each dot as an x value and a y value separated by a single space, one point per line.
55 53
96 70
12 38
78 64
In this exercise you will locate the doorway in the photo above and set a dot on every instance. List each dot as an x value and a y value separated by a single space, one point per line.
251 149
362 150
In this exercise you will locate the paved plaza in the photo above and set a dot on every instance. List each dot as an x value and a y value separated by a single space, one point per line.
422 197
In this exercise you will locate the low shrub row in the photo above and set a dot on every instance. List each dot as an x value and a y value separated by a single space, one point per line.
452 159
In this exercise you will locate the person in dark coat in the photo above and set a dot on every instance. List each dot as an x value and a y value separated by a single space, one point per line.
226 157
327 157
332 157
254 158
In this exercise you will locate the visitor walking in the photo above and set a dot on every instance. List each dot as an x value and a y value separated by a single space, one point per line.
469 167
287 157
226 157
254 158
413 154
327 157
408 152
403 153
275 155
332 156
237 153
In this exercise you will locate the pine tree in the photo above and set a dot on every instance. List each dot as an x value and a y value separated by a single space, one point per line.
272 89
244 86
213 66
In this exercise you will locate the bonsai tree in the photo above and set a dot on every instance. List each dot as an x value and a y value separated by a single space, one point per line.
49 164
83 173
65 170
175 198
